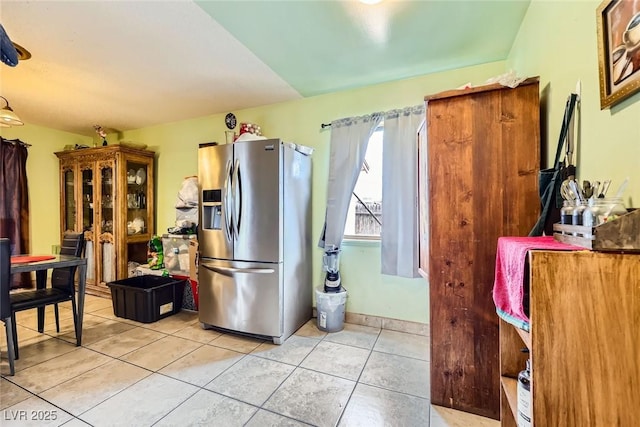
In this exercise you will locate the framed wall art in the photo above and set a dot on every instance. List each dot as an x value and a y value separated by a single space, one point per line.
618 50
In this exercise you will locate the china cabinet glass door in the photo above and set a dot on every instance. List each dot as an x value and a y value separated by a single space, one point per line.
87 197
137 192
107 220
106 200
69 200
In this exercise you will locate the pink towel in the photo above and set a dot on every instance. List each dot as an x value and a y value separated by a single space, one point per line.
508 285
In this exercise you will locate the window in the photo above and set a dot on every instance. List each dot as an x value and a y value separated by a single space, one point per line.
364 219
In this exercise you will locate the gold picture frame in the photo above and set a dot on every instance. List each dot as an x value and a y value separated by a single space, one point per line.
618 50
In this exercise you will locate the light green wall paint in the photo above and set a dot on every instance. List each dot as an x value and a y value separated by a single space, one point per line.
44 184
558 42
299 121
371 43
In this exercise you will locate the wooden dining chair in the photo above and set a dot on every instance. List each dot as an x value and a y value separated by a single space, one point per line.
62 288
5 304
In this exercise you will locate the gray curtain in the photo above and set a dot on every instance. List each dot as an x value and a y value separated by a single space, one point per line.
349 139
399 237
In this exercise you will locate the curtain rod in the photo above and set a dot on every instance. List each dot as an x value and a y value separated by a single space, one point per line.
15 141
416 109
328 125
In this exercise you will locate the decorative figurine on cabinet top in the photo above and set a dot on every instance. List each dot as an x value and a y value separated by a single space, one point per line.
102 134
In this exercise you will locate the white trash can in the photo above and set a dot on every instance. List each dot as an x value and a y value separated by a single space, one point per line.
330 308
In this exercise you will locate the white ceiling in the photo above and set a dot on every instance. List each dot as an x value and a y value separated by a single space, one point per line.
131 64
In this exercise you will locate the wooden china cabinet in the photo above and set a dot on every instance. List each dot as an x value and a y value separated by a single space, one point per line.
108 193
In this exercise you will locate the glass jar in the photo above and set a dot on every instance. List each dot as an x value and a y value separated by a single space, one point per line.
566 212
590 214
576 217
610 209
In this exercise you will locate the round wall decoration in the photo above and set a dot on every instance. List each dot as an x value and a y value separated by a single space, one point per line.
230 120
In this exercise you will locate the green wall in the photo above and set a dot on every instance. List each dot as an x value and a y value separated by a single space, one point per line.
369 292
558 42
44 184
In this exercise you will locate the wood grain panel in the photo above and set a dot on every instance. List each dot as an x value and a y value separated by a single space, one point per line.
512 358
622 233
585 311
483 151
509 415
521 161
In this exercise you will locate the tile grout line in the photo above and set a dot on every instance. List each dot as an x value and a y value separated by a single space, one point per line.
284 380
359 376
244 356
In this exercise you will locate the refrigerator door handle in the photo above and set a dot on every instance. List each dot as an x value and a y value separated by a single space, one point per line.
235 182
239 199
229 271
227 205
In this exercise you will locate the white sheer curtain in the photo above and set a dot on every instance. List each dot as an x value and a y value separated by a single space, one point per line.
349 139
399 237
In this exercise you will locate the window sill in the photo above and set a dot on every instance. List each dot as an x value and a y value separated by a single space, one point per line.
361 242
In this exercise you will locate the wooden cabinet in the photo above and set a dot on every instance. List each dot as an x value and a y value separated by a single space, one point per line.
108 193
584 316
483 156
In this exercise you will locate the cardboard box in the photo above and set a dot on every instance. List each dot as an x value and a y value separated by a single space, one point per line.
176 253
193 260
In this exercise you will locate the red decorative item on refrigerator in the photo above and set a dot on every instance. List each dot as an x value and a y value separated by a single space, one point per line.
250 128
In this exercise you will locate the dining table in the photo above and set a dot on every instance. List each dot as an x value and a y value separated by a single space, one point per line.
40 265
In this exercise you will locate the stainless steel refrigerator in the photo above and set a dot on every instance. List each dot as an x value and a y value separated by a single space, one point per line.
254 273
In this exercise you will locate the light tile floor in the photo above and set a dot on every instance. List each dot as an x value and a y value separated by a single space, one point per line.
174 373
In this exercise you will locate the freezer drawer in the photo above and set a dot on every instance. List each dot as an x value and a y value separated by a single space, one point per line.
241 296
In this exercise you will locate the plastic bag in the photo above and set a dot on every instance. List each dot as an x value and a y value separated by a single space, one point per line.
155 255
188 194
508 79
